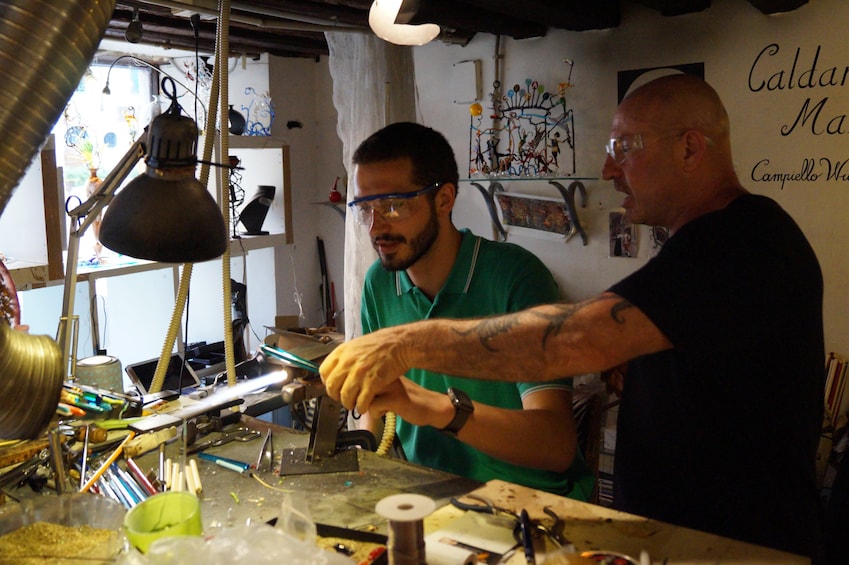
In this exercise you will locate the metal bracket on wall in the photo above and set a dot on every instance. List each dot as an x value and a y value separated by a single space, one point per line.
489 198
337 207
568 194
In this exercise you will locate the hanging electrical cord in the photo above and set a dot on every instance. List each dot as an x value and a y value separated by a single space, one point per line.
244 253
195 21
299 298
188 268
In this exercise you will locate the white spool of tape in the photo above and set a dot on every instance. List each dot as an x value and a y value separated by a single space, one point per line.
405 513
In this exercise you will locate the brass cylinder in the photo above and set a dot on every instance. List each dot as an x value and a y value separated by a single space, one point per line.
31 377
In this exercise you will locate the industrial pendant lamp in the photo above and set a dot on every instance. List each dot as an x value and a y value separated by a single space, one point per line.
381 19
166 214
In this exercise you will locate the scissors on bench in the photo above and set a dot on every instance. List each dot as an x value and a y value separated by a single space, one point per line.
239 434
554 532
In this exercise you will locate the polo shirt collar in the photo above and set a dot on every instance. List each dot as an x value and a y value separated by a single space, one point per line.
461 274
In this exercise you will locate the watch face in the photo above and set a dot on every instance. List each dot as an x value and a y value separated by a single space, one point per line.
460 400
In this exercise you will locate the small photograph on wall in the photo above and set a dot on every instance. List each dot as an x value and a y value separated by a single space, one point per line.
623 237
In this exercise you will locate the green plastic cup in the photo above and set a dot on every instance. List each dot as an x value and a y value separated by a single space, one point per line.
163 515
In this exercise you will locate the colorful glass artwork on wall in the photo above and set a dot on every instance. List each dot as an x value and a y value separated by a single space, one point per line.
259 113
528 132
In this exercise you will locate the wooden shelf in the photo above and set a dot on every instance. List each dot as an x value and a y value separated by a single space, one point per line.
29 275
256 142
128 265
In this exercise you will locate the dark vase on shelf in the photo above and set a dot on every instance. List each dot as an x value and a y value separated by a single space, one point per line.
237 121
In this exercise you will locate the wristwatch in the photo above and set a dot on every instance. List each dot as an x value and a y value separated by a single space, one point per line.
463 407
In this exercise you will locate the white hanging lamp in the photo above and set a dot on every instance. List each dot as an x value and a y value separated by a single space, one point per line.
381 19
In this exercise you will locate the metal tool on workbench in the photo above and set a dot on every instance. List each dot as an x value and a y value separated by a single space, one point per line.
265 460
239 434
554 532
23 471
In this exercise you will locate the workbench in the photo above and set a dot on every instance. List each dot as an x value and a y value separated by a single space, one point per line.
347 499
593 527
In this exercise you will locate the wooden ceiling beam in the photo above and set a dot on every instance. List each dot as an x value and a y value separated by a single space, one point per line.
575 16
295 27
455 15
177 32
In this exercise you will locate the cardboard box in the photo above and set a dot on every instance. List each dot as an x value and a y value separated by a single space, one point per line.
287 322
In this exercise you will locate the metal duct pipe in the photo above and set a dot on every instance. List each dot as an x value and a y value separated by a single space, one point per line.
45 47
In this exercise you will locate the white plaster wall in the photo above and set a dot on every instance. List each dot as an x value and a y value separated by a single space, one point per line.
728 38
301 92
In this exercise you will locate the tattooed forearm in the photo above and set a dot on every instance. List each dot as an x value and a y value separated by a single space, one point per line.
564 313
556 320
489 328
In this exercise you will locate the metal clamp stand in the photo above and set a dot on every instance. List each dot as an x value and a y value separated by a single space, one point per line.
321 455
489 198
81 218
568 195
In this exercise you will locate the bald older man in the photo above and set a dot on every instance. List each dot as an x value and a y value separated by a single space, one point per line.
721 332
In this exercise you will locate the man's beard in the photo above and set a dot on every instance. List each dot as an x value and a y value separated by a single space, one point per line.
419 245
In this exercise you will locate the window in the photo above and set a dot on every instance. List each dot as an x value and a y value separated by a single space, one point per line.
96 130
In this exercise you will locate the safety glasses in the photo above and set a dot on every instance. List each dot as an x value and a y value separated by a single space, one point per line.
620 148
391 207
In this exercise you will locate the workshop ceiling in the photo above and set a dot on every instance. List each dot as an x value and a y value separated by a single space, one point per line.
295 28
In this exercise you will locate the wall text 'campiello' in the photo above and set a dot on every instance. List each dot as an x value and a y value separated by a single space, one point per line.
810 170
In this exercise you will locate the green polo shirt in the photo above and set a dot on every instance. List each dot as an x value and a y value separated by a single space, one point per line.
487 278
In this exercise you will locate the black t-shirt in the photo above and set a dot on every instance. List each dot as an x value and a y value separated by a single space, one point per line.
720 433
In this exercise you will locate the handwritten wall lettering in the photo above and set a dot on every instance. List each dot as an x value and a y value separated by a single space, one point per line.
809 77
776 71
803 73
811 170
836 125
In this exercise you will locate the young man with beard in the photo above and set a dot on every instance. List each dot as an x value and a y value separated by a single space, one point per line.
406 186
722 402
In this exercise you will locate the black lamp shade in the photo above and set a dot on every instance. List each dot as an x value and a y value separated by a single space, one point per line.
172 221
166 214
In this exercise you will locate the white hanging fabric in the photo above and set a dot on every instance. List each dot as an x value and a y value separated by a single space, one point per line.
373 85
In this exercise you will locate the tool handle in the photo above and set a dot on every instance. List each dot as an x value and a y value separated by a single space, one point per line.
527 537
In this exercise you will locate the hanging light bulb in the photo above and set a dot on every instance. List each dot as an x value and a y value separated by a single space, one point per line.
381 19
134 31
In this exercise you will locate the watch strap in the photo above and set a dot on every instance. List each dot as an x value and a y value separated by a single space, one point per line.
463 408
